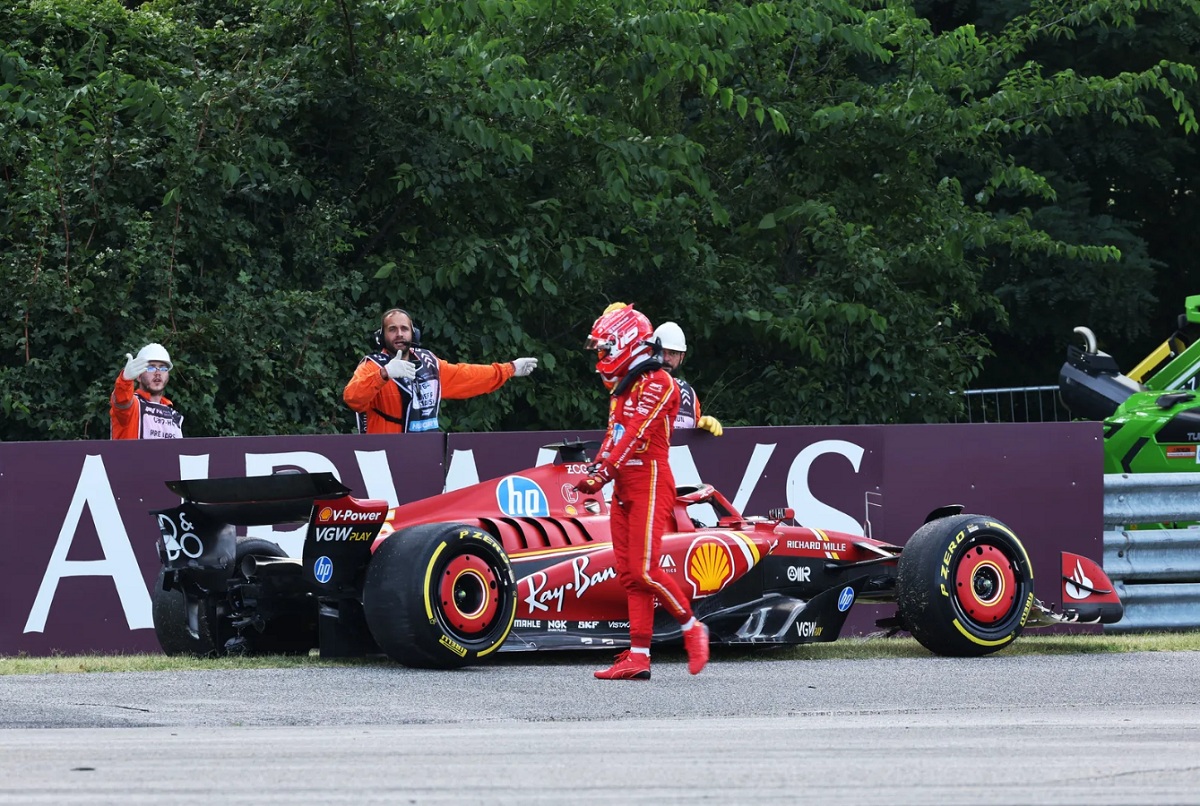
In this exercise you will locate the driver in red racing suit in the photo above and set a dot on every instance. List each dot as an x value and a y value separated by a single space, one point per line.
634 454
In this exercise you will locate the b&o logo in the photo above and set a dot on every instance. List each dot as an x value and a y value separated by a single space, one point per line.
175 544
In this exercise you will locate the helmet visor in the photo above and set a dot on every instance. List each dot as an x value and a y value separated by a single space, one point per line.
602 346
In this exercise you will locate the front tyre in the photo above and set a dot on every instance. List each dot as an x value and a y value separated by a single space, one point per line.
439 595
964 585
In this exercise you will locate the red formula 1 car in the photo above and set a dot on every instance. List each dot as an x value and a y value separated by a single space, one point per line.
524 562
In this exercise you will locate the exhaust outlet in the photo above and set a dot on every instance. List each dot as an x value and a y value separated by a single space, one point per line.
259 565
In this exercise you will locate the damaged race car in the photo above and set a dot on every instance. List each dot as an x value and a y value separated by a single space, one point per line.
524 562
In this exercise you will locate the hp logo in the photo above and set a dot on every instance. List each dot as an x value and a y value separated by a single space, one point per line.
323 569
846 599
518 497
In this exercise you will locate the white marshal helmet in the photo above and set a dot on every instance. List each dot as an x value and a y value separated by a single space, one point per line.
156 353
670 336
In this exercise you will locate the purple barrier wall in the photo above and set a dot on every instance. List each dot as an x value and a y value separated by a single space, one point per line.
79 543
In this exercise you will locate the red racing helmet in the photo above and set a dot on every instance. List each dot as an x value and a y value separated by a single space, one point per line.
619 336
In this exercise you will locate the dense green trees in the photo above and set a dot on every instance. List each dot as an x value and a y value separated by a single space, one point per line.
840 201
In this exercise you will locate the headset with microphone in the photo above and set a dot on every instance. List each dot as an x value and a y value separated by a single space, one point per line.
416 331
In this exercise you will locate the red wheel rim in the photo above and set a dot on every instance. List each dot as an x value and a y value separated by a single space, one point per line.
469 594
985 584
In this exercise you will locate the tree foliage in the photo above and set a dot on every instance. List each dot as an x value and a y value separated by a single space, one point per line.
838 200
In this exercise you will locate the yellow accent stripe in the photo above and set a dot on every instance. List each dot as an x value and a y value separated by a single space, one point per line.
556 550
980 641
663 593
1017 540
750 544
428 577
618 459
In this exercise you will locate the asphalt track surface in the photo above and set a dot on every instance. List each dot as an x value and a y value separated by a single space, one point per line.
1064 729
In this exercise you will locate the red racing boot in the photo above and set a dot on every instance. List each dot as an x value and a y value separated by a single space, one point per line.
695 641
629 666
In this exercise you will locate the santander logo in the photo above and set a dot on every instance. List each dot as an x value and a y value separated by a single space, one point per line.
1079 586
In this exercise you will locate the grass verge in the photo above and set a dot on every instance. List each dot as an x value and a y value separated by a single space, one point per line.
850 648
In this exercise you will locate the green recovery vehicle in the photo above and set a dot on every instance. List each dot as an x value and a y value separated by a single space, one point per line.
1152 414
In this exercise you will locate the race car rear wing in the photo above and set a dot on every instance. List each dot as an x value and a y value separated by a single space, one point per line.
259 500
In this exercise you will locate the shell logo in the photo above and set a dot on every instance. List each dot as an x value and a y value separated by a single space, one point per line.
325 514
709 568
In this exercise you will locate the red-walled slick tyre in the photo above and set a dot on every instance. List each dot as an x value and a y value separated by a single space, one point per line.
964 585
439 595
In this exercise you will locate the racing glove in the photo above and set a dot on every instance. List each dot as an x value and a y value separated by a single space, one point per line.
523 366
400 370
134 366
710 424
598 475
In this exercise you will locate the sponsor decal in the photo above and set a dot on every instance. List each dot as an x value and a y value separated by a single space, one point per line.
527 624
556 626
175 544
1080 586
519 497
341 534
846 599
1181 452
808 629
331 515
945 572
588 625
453 646
618 625
709 566
569 493
570 510
323 569
815 545
541 597
667 562
799 573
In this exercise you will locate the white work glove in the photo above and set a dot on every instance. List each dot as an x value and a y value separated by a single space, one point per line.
711 424
523 366
134 367
400 370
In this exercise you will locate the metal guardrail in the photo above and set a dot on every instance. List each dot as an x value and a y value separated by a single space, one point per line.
1014 404
1156 570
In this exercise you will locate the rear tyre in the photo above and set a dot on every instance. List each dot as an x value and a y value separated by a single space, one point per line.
964 585
169 612
287 634
439 595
